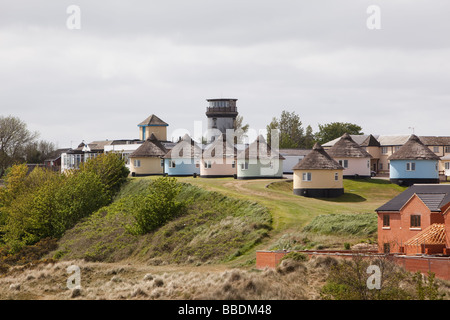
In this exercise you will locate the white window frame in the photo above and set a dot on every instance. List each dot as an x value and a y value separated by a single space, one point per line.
343 163
207 164
172 164
411 166
244 165
336 176
137 163
306 176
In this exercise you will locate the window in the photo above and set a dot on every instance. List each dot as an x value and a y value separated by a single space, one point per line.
415 221
233 164
447 165
207 164
410 166
162 163
386 220
197 164
343 163
172 164
368 163
381 166
244 166
386 247
447 149
137 163
435 149
384 150
306 176
336 176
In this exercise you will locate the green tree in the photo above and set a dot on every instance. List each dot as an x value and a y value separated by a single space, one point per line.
287 129
110 168
309 138
331 131
38 151
240 129
157 206
14 135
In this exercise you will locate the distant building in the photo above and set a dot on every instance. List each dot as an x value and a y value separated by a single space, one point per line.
184 158
352 157
414 163
221 114
259 161
219 158
389 144
148 158
154 125
292 157
318 175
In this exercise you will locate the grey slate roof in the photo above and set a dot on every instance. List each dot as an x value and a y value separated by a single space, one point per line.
294 152
433 195
317 159
414 149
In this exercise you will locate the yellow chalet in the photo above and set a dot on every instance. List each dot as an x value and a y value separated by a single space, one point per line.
148 158
318 175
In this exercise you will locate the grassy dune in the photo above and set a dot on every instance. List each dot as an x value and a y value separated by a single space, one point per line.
215 228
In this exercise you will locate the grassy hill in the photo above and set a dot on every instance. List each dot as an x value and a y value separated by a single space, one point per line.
214 228
228 220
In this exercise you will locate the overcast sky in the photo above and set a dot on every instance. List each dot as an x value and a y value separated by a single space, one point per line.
131 59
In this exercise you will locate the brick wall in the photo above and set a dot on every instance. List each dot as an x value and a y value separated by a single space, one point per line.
440 266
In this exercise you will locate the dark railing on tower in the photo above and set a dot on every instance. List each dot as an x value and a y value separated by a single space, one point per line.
221 109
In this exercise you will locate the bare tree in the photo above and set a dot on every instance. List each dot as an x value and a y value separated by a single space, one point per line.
14 135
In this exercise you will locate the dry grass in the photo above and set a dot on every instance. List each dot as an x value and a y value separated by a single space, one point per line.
291 280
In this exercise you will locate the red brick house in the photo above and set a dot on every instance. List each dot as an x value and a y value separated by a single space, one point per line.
417 221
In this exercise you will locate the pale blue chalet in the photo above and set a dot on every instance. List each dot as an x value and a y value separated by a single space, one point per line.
183 159
414 163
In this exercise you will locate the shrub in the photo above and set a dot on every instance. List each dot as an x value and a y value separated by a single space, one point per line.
347 280
110 168
296 256
46 203
157 206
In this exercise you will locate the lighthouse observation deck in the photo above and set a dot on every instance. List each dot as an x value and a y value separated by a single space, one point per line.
221 108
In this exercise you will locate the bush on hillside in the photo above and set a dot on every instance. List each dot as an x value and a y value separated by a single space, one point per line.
159 205
110 168
45 203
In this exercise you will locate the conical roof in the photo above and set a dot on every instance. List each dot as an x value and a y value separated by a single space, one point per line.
259 149
414 149
151 147
317 159
153 120
346 147
370 141
186 148
220 148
